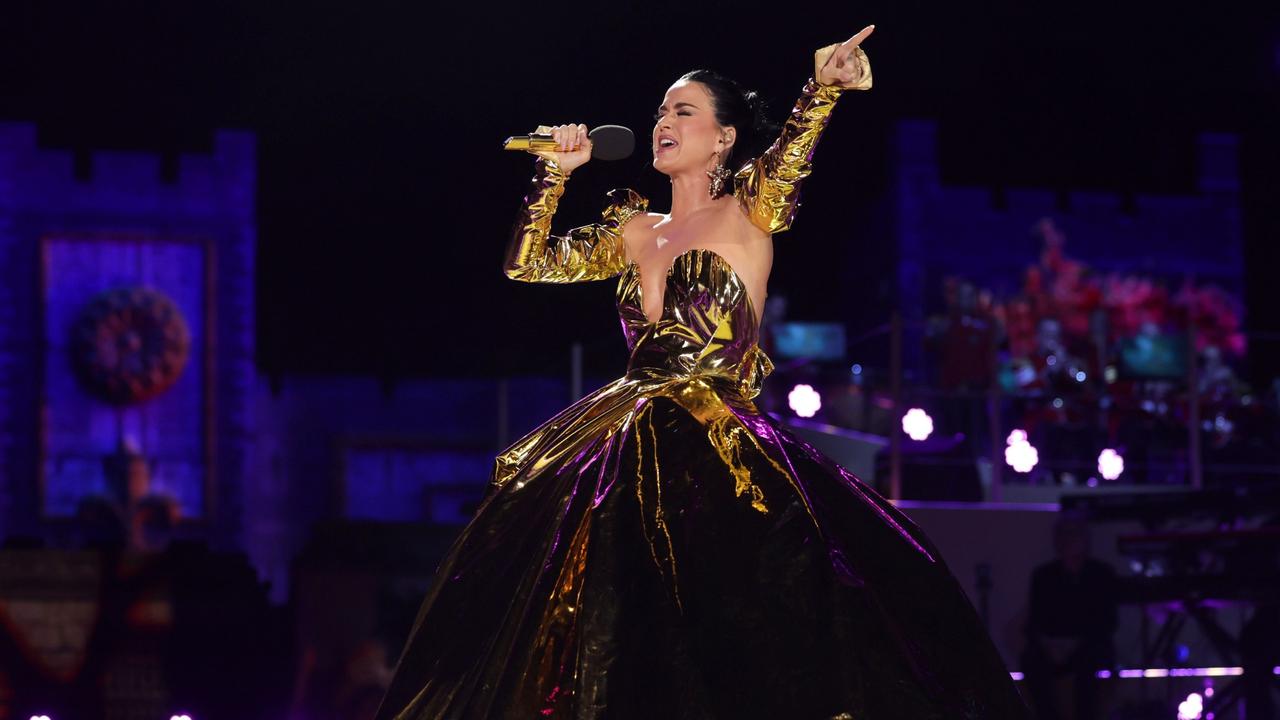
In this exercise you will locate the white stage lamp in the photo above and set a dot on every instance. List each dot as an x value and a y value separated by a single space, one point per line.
804 400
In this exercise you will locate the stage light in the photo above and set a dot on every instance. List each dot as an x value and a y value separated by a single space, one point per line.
1080 376
917 424
1110 464
1157 673
804 400
856 369
1191 708
180 717
1025 375
40 717
1020 455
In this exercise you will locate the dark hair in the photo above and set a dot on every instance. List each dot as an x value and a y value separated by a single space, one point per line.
745 110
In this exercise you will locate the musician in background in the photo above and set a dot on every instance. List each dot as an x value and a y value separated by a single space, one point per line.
1260 636
1260 652
1072 618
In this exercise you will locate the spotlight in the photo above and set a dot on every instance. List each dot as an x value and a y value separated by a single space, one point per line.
40 717
917 424
1025 375
1020 455
1110 464
1191 708
804 400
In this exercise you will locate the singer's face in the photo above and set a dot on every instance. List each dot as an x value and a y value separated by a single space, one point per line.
685 133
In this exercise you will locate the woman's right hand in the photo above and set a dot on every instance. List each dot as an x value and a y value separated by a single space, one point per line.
573 146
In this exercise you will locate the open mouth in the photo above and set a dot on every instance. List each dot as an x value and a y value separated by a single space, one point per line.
664 144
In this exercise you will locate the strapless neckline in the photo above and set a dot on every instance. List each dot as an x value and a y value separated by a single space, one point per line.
633 266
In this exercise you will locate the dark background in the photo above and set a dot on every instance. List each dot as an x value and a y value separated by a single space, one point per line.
385 202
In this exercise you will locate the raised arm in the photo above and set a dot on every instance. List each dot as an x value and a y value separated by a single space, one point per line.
589 252
769 186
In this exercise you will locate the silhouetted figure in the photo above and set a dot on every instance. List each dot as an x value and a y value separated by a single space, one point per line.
100 524
1260 636
1071 624
152 524
1260 652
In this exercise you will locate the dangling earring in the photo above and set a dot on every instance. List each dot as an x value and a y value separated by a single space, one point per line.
718 177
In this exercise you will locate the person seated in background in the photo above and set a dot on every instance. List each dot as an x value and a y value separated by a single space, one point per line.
1070 626
100 524
152 524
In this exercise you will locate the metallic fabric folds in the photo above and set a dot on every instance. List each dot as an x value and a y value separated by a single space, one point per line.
769 186
662 549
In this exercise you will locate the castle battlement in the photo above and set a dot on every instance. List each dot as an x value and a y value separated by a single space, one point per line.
220 183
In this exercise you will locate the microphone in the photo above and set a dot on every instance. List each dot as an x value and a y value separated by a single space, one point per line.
608 142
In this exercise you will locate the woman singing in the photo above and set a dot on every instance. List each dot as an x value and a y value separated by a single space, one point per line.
661 549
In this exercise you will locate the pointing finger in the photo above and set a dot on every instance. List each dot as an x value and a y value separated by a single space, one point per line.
857 39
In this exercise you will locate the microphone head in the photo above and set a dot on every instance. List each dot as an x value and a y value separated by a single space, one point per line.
612 142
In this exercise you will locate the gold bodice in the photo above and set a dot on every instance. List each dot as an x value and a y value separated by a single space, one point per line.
707 328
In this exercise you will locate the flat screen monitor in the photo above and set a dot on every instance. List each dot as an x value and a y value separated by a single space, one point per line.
809 340
1157 357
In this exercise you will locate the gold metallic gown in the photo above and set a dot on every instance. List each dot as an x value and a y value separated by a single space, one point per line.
663 550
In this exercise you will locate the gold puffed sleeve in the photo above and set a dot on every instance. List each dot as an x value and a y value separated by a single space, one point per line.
769 186
590 252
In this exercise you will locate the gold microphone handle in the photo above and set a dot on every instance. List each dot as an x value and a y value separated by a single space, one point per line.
530 142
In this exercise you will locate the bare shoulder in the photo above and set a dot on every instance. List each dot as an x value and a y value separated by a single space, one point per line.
638 231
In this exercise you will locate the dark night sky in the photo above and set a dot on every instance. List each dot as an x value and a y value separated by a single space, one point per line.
384 202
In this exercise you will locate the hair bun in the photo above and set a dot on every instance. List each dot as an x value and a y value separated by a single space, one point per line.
743 109
760 110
